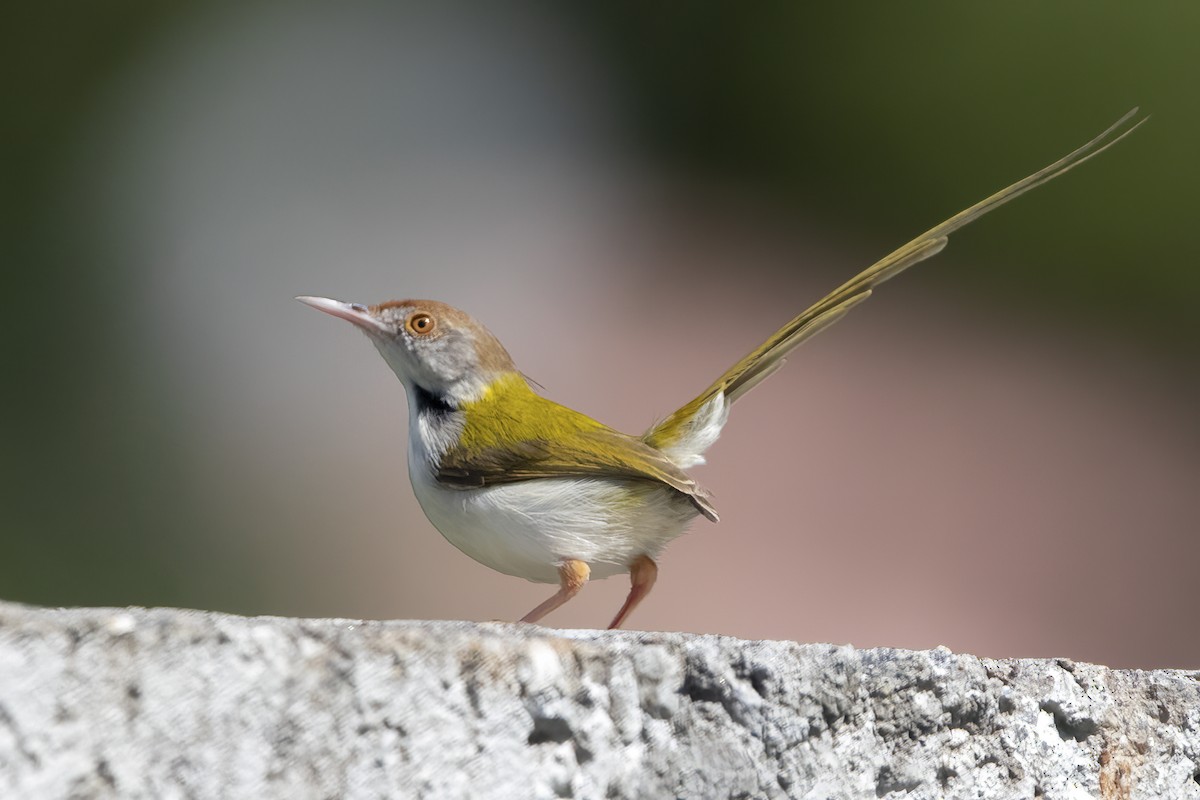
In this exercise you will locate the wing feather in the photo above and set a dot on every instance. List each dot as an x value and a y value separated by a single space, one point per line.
580 448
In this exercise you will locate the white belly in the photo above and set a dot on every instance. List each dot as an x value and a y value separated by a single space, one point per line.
527 529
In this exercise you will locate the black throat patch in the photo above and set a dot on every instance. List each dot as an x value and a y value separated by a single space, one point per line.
430 404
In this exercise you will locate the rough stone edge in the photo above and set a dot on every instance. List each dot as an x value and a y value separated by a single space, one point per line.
1127 740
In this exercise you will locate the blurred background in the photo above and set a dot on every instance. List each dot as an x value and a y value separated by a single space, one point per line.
999 452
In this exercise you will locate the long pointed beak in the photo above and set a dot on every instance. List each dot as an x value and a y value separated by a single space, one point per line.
360 315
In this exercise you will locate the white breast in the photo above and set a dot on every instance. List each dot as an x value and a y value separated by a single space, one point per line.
527 529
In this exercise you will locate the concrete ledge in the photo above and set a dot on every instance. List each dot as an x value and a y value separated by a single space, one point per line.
162 703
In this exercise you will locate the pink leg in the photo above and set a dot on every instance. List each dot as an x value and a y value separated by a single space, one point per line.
572 575
642 574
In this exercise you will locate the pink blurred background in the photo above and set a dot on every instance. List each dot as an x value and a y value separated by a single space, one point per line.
949 465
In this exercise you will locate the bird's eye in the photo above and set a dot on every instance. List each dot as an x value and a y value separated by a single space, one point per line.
420 324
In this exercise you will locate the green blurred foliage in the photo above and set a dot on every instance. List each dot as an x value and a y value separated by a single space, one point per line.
896 115
89 473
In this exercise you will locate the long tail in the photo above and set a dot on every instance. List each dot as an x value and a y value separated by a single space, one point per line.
693 428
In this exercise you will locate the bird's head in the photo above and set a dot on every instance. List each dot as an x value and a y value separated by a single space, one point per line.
430 346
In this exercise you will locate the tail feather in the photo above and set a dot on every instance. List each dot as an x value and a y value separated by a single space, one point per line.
688 432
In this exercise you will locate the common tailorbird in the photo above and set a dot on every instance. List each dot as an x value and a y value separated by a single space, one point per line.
536 490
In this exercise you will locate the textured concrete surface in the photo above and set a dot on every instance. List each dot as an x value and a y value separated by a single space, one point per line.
162 703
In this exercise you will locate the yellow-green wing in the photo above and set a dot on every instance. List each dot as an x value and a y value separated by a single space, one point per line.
758 365
514 434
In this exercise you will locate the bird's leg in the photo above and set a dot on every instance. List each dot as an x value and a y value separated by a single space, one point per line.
572 575
642 574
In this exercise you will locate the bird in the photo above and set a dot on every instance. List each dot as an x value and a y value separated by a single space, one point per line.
539 491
